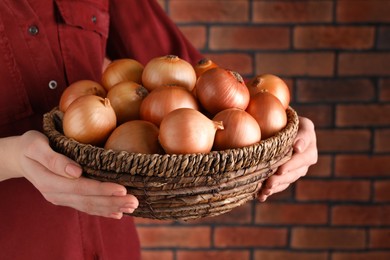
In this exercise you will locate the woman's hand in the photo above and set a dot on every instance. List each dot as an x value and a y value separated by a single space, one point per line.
59 178
305 154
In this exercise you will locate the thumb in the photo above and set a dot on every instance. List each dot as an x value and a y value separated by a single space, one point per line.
303 137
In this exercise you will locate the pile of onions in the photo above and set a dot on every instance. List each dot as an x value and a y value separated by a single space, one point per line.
126 98
272 84
240 129
268 112
122 70
168 70
89 119
165 99
218 89
136 136
187 131
78 89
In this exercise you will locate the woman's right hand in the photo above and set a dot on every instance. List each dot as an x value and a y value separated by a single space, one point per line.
59 178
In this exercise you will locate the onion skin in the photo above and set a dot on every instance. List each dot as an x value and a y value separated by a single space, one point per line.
218 89
272 84
240 130
136 136
122 70
126 98
268 112
165 99
204 65
78 89
187 131
89 119
168 70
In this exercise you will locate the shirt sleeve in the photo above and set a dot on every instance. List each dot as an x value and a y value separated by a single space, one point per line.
141 30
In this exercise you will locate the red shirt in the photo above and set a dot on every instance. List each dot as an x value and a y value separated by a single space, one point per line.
44 46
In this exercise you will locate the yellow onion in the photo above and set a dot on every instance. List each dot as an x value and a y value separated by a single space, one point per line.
204 65
78 89
268 112
240 129
122 70
187 131
89 119
136 136
272 84
126 98
163 100
218 89
168 70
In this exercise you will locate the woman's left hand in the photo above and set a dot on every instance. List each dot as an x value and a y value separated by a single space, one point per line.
305 154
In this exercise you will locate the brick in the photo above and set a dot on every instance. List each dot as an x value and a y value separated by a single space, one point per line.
296 64
291 214
334 37
323 167
379 238
384 90
240 62
362 11
290 255
209 11
162 3
380 255
364 64
382 140
188 237
327 238
292 12
213 254
239 215
382 191
363 115
343 140
333 190
335 90
249 38
249 237
284 195
362 166
196 35
148 221
372 215
383 42
157 254
321 115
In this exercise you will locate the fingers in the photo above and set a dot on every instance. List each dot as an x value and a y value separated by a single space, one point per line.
38 149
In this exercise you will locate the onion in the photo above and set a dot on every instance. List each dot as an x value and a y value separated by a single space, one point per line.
272 84
89 119
126 98
187 131
136 136
240 129
204 65
165 99
78 89
268 112
168 70
218 89
122 70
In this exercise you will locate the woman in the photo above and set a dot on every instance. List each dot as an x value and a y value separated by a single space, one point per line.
48 211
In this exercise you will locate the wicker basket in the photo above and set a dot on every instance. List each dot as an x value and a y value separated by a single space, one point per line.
181 187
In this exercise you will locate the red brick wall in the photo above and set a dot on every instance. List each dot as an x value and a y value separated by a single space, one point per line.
335 56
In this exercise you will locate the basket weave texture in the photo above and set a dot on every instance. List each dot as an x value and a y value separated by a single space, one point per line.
181 187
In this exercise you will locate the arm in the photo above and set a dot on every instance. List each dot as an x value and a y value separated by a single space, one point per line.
305 154
59 179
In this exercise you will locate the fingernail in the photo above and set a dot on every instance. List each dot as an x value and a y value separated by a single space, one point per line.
72 170
116 215
119 193
127 210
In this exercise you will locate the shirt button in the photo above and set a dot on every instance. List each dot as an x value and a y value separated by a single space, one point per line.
93 19
33 30
53 84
